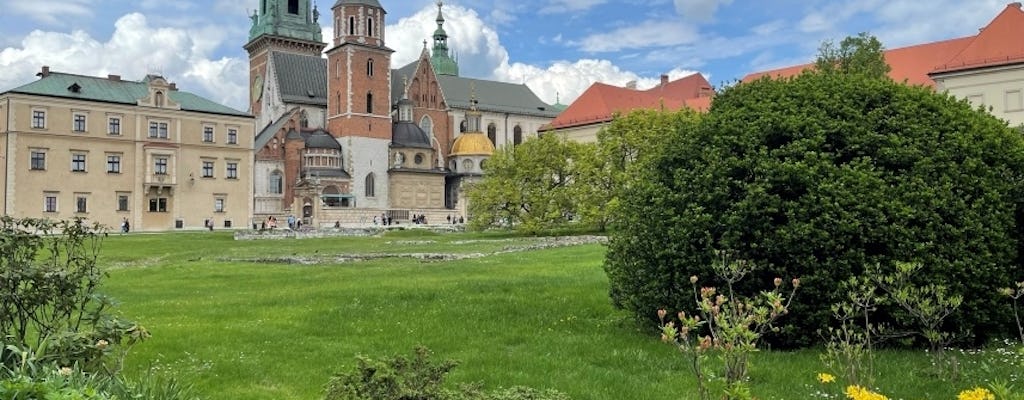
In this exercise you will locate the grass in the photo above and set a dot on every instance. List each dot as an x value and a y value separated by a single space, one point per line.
261 330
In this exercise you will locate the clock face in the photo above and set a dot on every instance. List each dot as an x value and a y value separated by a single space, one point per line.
257 88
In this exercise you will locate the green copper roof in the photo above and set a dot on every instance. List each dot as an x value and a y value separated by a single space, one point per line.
275 18
56 84
443 63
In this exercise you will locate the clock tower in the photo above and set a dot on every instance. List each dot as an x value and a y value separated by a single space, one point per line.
289 26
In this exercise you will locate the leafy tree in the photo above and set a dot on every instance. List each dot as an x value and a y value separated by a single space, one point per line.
861 54
622 156
531 186
818 176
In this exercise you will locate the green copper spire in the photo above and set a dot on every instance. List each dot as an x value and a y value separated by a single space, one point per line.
293 19
440 59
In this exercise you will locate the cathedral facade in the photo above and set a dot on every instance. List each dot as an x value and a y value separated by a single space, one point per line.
346 138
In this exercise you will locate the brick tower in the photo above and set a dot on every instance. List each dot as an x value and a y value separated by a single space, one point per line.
289 26
358 72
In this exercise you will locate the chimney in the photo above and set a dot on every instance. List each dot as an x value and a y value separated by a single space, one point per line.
631 85
1015 4
174 86
115 78
664 79
45 72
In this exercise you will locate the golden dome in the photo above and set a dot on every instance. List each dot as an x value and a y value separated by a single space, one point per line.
472 144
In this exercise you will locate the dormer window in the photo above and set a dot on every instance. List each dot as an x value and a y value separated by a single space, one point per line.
75 88
158 99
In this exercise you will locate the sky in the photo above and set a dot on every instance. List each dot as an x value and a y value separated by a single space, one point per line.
556 47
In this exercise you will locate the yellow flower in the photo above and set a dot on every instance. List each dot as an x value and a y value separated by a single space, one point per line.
976 394
854 392
826 378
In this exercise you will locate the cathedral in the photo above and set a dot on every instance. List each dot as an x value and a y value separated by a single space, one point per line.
345 138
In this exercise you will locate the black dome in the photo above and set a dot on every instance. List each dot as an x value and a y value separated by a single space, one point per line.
321 140
407 134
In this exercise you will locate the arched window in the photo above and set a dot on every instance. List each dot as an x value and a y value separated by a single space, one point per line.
369 103
369 67
276 182
351 26
293 7
370 182
517 136
492 133
427 125
159 99
337 27
264 7
463 126
369 26
304 120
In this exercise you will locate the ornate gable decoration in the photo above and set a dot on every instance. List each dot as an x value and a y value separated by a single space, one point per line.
159 93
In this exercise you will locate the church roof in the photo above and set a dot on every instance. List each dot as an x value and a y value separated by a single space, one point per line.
270 130
997 44
301 79
408 134
472 144
493 96
320 139
373 3
600 102
118 91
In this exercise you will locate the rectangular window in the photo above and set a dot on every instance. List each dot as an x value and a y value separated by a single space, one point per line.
38 160
1014 101
207 169
208 134
158 130
218 205
232 170
78 162
113 164
158 204
38 119
50 203
122 202
232 136
79 123
81 204
160 166
114 126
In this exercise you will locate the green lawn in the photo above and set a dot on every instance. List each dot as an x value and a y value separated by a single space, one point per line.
242 329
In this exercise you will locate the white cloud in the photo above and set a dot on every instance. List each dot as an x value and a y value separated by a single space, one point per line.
699 10
134 49
815 22
49 12
564 6
481 55
646 34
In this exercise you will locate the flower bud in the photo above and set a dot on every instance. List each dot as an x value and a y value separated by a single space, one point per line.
777 282
796 282
693 279
661 314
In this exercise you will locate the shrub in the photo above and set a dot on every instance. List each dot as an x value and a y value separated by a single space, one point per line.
818 176
419 378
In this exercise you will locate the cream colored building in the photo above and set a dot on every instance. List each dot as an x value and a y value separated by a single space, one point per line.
108 150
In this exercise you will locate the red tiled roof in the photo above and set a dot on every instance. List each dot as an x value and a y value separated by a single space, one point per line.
911 64
601 102
998 43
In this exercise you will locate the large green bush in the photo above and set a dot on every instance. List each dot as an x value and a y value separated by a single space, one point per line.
818 176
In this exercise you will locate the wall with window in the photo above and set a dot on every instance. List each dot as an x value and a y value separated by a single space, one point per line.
72 158
1000 90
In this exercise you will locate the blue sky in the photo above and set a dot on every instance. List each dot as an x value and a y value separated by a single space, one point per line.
557 47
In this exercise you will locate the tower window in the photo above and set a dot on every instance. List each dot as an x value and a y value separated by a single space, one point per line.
293 7
369 27
369 103
351 26
369 184
369 67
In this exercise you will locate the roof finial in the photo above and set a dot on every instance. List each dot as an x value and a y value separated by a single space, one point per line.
558 98
405 87
424 44
472 96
